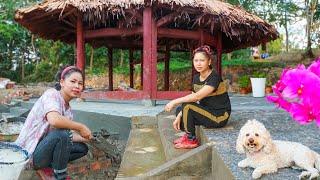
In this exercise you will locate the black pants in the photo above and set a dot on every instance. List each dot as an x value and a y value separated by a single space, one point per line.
56 150
195 114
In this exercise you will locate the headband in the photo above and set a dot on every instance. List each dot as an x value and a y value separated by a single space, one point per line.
68 69
203 48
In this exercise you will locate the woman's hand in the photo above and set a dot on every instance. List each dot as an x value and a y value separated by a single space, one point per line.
169 106
85 132
78 138
176 123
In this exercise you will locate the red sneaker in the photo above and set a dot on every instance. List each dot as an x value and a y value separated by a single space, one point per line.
45 173
179 140
187 144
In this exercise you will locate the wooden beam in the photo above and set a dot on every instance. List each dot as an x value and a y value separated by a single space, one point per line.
219 53
108 32
72 18
117 44
68 23
171 94
185 34
141 69
166 19
166 68
80 45
45 14
210 40
135 14
132 95
110 65
67 14
177 33
131 67
147 51
154 45
114 95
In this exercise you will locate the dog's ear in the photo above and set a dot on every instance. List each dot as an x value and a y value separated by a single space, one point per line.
268 143
239 146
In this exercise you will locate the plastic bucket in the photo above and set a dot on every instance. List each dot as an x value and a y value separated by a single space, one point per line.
258 87
12 161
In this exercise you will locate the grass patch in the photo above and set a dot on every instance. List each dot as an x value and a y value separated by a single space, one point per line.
251 64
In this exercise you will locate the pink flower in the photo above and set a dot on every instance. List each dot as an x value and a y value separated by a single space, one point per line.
302 114
301 67
279 84
307 111
300 84
298 92
315 67
286 105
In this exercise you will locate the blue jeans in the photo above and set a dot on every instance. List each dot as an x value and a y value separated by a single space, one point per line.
56 150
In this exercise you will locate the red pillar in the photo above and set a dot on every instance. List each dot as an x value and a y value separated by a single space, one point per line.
154 56
166 68
131 67
219 53
147 52
80 44
110 65
141 69
200 43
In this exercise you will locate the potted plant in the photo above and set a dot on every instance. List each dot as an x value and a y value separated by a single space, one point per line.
258 83
243 83
268 86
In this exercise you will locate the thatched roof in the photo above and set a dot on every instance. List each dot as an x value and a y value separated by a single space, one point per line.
56 20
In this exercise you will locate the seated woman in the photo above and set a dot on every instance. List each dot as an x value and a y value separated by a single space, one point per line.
47 133
213 109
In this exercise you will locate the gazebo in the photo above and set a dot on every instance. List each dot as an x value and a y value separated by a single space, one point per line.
148 26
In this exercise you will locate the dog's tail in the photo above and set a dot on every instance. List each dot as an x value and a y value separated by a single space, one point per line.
317 162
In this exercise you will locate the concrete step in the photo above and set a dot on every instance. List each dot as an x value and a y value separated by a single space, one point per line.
168 135
143 153
194 163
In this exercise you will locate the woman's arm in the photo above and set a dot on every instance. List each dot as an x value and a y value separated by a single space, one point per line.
56 120
194 97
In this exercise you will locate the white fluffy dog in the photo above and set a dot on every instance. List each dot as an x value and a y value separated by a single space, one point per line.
266 155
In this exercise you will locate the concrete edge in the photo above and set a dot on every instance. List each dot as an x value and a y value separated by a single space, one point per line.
190 161
218 167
